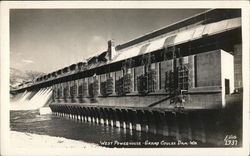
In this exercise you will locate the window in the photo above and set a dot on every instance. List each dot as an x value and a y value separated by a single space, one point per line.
80 90
133 78
138 72
73 90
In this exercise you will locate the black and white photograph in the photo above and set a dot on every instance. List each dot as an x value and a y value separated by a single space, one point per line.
120 78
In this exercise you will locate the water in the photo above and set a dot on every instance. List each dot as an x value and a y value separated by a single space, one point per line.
31 99
30 121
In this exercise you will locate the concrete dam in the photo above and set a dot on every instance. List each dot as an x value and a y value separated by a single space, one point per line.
183 81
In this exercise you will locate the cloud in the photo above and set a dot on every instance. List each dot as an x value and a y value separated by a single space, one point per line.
27 61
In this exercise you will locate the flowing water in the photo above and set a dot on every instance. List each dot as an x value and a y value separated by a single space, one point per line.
31 122
31 99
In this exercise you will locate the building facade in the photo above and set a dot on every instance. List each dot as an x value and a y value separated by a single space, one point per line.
195 64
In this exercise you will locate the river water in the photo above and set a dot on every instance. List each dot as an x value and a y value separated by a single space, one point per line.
30 121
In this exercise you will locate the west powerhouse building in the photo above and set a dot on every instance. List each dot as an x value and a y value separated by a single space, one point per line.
163 82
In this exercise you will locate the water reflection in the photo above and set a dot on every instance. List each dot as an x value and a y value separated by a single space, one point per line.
32 122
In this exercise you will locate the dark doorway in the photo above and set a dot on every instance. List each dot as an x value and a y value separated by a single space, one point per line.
227 86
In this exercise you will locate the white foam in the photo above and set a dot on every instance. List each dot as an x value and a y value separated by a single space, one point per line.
30 100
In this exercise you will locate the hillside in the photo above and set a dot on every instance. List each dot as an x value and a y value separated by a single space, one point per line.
17 77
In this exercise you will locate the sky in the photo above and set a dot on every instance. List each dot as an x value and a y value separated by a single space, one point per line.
46 40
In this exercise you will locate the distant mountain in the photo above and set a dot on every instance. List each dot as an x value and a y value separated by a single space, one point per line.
18 77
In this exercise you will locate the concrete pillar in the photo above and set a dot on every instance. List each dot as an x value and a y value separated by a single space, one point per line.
109 112
161 123
77 110
116 118
60 110
122 119
68 111
142 120
131 119
97 115
57 110
89 114
184 126
106 117
81 113
110 120
128 120
85 114
172 125
92 116
111 117
151 121
78 113
135 120
63 110
125 119
72 112
100 110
